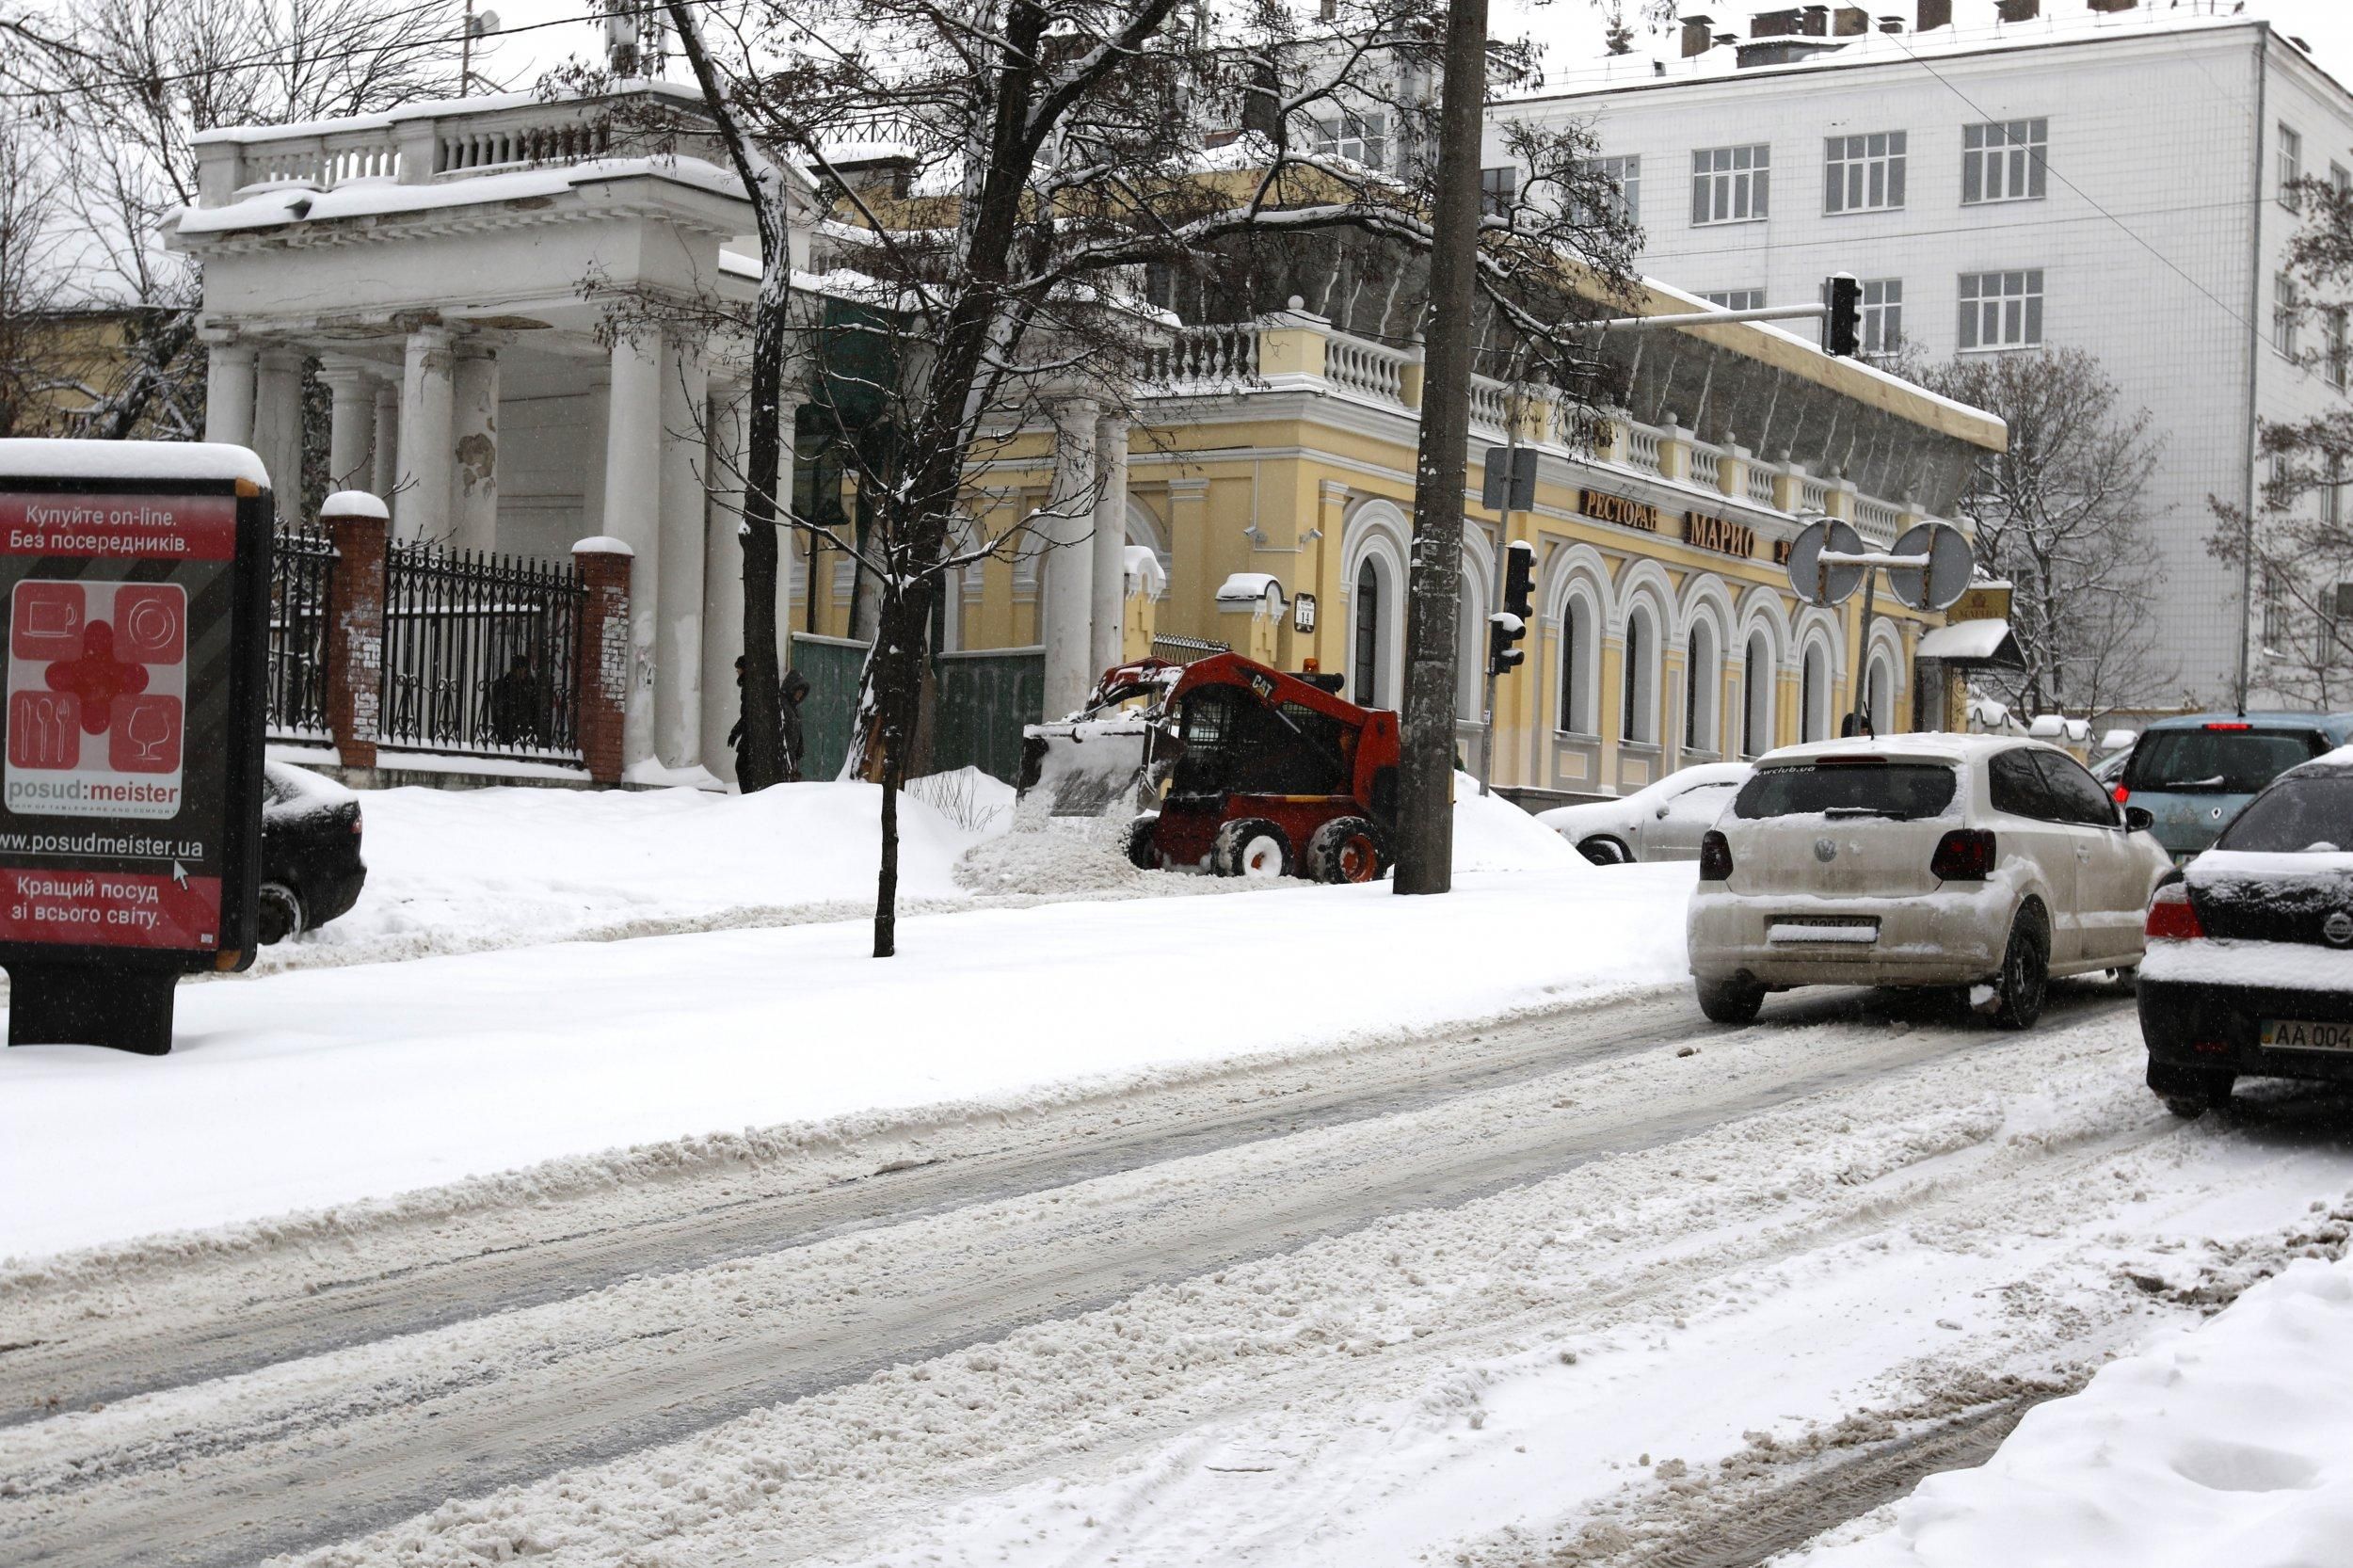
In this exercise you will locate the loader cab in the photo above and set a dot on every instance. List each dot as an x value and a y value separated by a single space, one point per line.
1234 742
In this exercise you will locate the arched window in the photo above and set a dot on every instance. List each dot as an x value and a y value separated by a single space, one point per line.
1702 675
1882 705
1367 613
1578 660
1470 662
1639 699
1814 695
1757 698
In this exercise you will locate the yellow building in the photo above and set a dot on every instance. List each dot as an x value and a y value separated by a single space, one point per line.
1275 498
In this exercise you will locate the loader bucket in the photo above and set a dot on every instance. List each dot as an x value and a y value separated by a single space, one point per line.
1084 767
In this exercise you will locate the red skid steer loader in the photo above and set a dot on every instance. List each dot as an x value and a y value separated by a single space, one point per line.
1266 773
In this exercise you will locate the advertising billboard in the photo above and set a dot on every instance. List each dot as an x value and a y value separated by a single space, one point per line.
134 582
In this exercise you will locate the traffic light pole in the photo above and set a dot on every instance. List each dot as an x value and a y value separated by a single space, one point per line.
1510 465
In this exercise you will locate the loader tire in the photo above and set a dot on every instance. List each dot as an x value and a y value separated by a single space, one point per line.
1346 849
1252 847
1142 852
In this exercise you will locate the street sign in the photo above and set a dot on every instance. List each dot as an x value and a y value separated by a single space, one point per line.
134 589
1943 575
1510 482
1808 579
1982 602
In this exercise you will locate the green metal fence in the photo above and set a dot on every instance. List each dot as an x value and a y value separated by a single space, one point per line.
984 697
831 667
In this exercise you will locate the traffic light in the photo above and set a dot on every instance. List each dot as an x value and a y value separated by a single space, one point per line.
1503 630
1842 328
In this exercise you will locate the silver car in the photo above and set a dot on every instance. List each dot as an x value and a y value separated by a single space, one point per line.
1661 823
1972 862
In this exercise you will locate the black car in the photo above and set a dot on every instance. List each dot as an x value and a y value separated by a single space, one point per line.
2249 965
311 865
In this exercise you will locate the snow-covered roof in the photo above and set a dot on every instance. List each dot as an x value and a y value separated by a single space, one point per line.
1244 587
1932 746
1141 568
296 202
212 462
439 108
1974 30
1968 639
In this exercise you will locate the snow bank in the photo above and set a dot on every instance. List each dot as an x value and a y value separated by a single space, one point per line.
2231 1443
1492 835
324 1086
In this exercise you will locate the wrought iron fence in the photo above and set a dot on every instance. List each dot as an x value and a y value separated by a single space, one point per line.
479 652
1185 650
301 565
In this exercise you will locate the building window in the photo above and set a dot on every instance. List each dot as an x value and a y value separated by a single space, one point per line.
2334 367
1863 174
1497 187
1732 184
1625 173
1814 695
1362 139
1368 636
2340 180
2284 312
2291 168
1736 299
2275 608
2333 493
1702 670
1881 706
1757 698
1634 701
1577 631
1882 315
2336 608
2004 161
2001 309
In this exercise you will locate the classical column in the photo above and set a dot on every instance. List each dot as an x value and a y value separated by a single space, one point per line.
631 514
421 501
723 573
228 392
595 416
351 425
386 447
678 661
278 427
473 487
1063 525
1109 566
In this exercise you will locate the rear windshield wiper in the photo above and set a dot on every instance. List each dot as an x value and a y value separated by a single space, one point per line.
1888 811
2184 786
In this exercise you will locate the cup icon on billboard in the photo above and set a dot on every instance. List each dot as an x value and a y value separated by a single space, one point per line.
45 729
45 621
150 623
146 736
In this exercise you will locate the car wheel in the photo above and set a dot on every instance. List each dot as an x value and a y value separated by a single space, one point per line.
1604 851
1142 852
1252 847
2024 982
2189 1093
1731 1002
281 913
1346 849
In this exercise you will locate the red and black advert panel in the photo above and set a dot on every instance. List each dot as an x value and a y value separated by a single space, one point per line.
135 609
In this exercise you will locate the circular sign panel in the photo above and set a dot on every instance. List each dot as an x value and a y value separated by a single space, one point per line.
1808 579
1947 565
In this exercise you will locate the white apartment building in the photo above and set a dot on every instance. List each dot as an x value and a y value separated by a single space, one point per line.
2093 173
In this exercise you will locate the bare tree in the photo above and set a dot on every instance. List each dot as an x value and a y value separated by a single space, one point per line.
31 372
122 87
1044 158
2064 515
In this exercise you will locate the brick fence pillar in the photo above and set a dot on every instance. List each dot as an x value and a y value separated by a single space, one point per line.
601 678
356 522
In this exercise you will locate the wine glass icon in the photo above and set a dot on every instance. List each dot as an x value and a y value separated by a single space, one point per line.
150 728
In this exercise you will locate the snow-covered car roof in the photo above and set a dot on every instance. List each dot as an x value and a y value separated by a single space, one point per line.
1927 746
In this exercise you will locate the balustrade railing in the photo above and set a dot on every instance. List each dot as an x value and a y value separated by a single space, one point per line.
463 150
1761 484
1877 517
1813 495
1489 405
1641 448
1706 466
1220 355
1367 369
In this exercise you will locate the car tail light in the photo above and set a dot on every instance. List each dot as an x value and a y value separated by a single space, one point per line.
2234 724
1715 856
2121 794
2172 917
1964 855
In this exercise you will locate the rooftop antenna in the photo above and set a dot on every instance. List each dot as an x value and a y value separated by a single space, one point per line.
635 39
479 25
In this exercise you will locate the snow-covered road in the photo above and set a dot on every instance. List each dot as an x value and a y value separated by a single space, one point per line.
1574 1285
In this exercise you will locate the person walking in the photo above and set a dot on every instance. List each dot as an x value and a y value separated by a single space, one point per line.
791 688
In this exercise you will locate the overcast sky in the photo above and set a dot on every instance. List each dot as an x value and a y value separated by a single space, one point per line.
1570 28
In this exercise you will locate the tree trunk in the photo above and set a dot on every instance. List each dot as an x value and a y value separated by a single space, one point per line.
763 759
890 691
1425 819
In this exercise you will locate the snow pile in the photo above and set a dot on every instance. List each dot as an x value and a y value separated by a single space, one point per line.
1057 857
456 871
2229 1444
1492 835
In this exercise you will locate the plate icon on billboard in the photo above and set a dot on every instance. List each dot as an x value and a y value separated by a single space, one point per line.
97 698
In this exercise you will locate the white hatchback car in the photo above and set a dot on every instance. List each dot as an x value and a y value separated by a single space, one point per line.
1661 823
1931 860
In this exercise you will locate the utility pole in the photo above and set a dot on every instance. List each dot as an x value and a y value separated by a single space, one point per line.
1425 817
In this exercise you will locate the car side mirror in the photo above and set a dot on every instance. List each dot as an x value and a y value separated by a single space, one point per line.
1661 813
2139 818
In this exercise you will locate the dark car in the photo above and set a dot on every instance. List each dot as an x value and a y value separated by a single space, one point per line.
311 865
2193 773
2249 965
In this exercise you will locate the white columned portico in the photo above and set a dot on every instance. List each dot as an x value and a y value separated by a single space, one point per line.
421 503
385 468
1064 525
679 663
228 392
722 575
597 415
1108 601
631 512
278 427
473 495
350 425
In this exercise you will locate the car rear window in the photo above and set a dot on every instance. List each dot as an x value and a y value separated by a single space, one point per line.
2293 816
1847 789
2217 761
